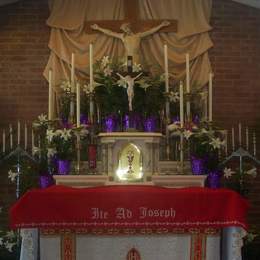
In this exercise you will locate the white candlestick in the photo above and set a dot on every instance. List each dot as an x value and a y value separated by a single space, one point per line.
240 134
226 143
98 114
11 136
25 136
72 76
181 105
91 77
233 139
32 139
18 132
50 96
188 83
166 68
78 105
210 96
4 141
247 139
187 72
254 144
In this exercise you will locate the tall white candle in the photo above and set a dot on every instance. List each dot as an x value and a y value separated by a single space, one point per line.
78 105
210 96
4 141
91 76
247 139
254 144
166 68
181 105
50 96
32 140
25 136
226 143
240 134
11 136
72 76
187 72
18 132
233 139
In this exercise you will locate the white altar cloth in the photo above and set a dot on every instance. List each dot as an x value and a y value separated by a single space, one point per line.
150 247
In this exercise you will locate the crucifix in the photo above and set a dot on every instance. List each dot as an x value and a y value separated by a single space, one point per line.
131 37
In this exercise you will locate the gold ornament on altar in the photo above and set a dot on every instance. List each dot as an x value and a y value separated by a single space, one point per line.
130 164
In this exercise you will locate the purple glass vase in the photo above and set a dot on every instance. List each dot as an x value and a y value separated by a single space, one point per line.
150 124
63 167
213 179
198 165
132 121
45 180
83 119
110 123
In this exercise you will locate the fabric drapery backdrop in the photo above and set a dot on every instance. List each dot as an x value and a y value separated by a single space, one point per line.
68 34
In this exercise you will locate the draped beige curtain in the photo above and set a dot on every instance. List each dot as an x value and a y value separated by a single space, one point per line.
68 35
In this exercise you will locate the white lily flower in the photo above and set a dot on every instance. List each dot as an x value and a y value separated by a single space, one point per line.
252 172
187 134
66 86
228 173
50 134
51 152
9 246
174 127
65 134
105 61
84 132
87 89
10 234
250 237
12 175
143 84
108 71
204 131
1 241
122 83
137 67
217 143
35 150
36 124
174 96
42 118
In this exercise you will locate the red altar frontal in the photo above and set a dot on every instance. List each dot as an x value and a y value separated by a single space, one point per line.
135 207
129 210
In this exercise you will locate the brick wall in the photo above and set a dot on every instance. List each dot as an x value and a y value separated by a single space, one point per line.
23 55
235 60
236 64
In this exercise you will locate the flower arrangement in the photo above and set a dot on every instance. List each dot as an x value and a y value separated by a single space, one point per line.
56 140
203 137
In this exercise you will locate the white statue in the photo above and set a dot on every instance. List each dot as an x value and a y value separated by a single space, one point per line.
130 40
130 82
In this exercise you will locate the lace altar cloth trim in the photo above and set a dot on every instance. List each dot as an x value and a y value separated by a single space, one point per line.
129 231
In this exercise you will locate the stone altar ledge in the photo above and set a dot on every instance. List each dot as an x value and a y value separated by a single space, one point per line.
172 181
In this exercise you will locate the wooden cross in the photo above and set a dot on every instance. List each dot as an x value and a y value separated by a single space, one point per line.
132 17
